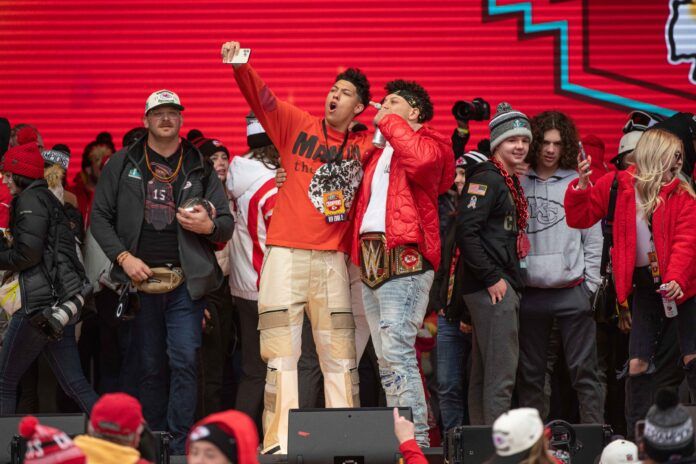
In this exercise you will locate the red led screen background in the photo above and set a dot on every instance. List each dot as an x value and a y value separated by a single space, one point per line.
74 68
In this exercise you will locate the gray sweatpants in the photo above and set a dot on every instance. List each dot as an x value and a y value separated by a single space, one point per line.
495 351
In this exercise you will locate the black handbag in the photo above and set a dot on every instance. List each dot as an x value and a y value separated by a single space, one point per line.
604 302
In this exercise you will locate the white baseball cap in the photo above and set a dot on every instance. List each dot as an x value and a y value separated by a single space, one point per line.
629 141
619 452
161 98
516 431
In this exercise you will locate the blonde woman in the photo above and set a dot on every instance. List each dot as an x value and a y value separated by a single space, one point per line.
654 243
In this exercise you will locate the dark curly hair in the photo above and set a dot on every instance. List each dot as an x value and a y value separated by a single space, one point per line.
416 92
549 120
356 77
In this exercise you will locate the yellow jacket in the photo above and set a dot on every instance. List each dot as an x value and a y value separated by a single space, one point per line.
100 451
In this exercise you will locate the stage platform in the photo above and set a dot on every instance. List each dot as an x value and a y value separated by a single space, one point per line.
434 456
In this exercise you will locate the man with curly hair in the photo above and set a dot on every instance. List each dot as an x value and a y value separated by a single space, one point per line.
304 268
396 239
561 273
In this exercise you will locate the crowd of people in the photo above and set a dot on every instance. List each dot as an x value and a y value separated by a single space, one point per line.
392 266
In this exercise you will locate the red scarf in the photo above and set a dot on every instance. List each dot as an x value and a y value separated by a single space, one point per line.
520 205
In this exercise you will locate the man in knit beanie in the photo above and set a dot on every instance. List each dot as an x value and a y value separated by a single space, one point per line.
228 436
216 153
491 220
669 431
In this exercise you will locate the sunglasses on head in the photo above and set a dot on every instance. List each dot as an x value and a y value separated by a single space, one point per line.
639 121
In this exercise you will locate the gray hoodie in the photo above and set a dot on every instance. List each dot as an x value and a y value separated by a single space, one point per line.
559 255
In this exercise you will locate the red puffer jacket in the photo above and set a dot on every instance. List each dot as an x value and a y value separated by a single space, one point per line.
674 229
422 167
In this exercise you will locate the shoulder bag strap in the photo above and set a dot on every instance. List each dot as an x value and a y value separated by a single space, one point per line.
607 227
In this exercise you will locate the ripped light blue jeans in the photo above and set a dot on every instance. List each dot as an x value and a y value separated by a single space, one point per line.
395 312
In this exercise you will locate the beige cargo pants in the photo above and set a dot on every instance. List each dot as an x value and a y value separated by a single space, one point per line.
294 281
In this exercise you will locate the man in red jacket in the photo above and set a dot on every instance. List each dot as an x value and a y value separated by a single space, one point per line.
396 238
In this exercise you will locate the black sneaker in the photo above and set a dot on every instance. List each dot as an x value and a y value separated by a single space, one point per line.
273 449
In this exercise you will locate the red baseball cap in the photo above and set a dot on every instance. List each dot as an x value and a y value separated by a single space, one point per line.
117 414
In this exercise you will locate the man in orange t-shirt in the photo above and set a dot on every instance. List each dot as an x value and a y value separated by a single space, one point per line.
305 267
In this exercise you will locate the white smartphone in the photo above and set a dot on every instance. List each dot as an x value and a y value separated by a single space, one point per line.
240 58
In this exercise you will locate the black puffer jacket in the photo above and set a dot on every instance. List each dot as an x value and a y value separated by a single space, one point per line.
118 211
38 229
487 230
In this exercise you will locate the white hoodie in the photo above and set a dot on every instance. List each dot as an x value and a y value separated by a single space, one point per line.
253 190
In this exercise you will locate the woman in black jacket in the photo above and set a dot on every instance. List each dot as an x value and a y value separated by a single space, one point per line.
42 252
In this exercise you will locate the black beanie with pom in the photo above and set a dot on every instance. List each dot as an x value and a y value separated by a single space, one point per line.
669 430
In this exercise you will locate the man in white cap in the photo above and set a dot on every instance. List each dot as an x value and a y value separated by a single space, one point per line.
620 452
166 252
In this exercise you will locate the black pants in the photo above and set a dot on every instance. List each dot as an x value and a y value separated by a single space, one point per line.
310 380
250 392
612 353
116 359
659 341
216 349
570 307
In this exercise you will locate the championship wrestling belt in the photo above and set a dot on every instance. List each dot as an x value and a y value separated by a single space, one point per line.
378 265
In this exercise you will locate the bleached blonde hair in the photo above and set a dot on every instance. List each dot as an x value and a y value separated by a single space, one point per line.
653 157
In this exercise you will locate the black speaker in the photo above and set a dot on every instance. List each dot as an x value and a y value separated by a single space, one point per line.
582 442
71 424
343 436
474 444
154 446
468 444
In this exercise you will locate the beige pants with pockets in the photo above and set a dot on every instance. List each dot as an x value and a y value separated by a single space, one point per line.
294 281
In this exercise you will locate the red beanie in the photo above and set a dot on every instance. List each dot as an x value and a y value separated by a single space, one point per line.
27 134
46 445
25 160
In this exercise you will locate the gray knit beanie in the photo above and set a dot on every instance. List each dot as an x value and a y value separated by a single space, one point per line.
669 430
508 123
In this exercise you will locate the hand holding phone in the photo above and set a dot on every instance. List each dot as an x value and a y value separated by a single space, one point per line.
232 53
584 168
583 155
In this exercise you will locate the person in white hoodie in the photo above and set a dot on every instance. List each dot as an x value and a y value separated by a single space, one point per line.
252 187
560 273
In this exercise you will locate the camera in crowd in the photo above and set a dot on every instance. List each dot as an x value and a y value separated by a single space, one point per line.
477 109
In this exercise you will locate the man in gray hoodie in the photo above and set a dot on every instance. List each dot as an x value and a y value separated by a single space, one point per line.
560 273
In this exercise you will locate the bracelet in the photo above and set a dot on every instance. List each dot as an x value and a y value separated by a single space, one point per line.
122 257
